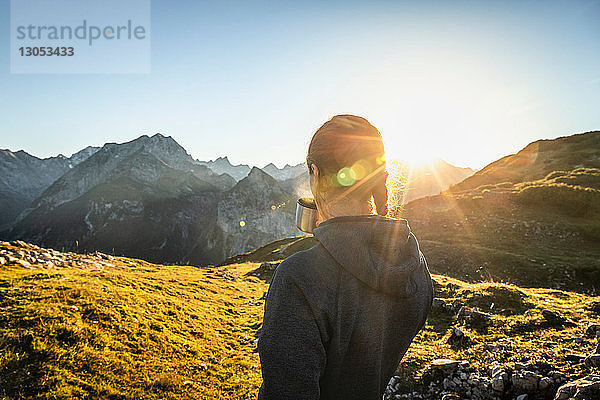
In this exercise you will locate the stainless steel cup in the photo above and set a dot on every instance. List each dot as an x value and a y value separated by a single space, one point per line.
306 214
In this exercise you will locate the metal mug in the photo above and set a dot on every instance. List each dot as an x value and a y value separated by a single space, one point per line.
306 214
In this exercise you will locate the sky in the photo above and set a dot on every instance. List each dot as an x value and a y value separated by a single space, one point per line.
467 81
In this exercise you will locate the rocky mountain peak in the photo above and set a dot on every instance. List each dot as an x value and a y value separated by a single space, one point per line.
223 162
257 174
257 180
166 149
83 154
222 165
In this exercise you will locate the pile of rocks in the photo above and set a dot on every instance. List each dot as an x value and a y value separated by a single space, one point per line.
446 377
587 388
27 255
457 379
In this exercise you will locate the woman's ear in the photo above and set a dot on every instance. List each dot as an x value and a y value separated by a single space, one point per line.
313 177
315 170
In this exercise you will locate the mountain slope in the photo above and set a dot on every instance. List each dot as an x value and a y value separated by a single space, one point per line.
538 159
254 212
101 165
544 233
408 182
529 224
143 208
96 326
24 177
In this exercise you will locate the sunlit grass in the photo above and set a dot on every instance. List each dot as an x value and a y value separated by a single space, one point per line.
135 330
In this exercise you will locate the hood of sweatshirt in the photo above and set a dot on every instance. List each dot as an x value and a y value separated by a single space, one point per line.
380 251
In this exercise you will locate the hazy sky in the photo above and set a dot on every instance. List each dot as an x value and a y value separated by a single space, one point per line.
468 81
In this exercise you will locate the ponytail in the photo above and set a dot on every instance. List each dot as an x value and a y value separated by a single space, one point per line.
380 196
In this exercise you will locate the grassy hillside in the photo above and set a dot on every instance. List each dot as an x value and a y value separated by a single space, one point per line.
74 326
543 233
102 327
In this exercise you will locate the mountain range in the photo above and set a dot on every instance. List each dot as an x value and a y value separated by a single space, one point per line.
24 177
149 198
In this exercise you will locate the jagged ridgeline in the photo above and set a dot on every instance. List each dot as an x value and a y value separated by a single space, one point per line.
149 198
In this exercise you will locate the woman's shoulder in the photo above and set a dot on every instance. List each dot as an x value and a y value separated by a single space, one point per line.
310 264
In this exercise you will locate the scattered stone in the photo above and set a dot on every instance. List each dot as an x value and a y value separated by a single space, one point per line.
458 339
522 397
269 266
438 303
502 345
442 305
525 381
575 358
582 389
23 263
444 365
554 318
500 379
593 360
474 317
545 383
524 366
591 330
557 376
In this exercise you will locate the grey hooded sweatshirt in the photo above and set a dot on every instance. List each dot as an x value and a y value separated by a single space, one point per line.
340 316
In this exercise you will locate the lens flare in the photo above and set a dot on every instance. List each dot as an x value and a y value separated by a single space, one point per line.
346 176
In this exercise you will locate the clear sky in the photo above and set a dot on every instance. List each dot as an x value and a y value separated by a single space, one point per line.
468 81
